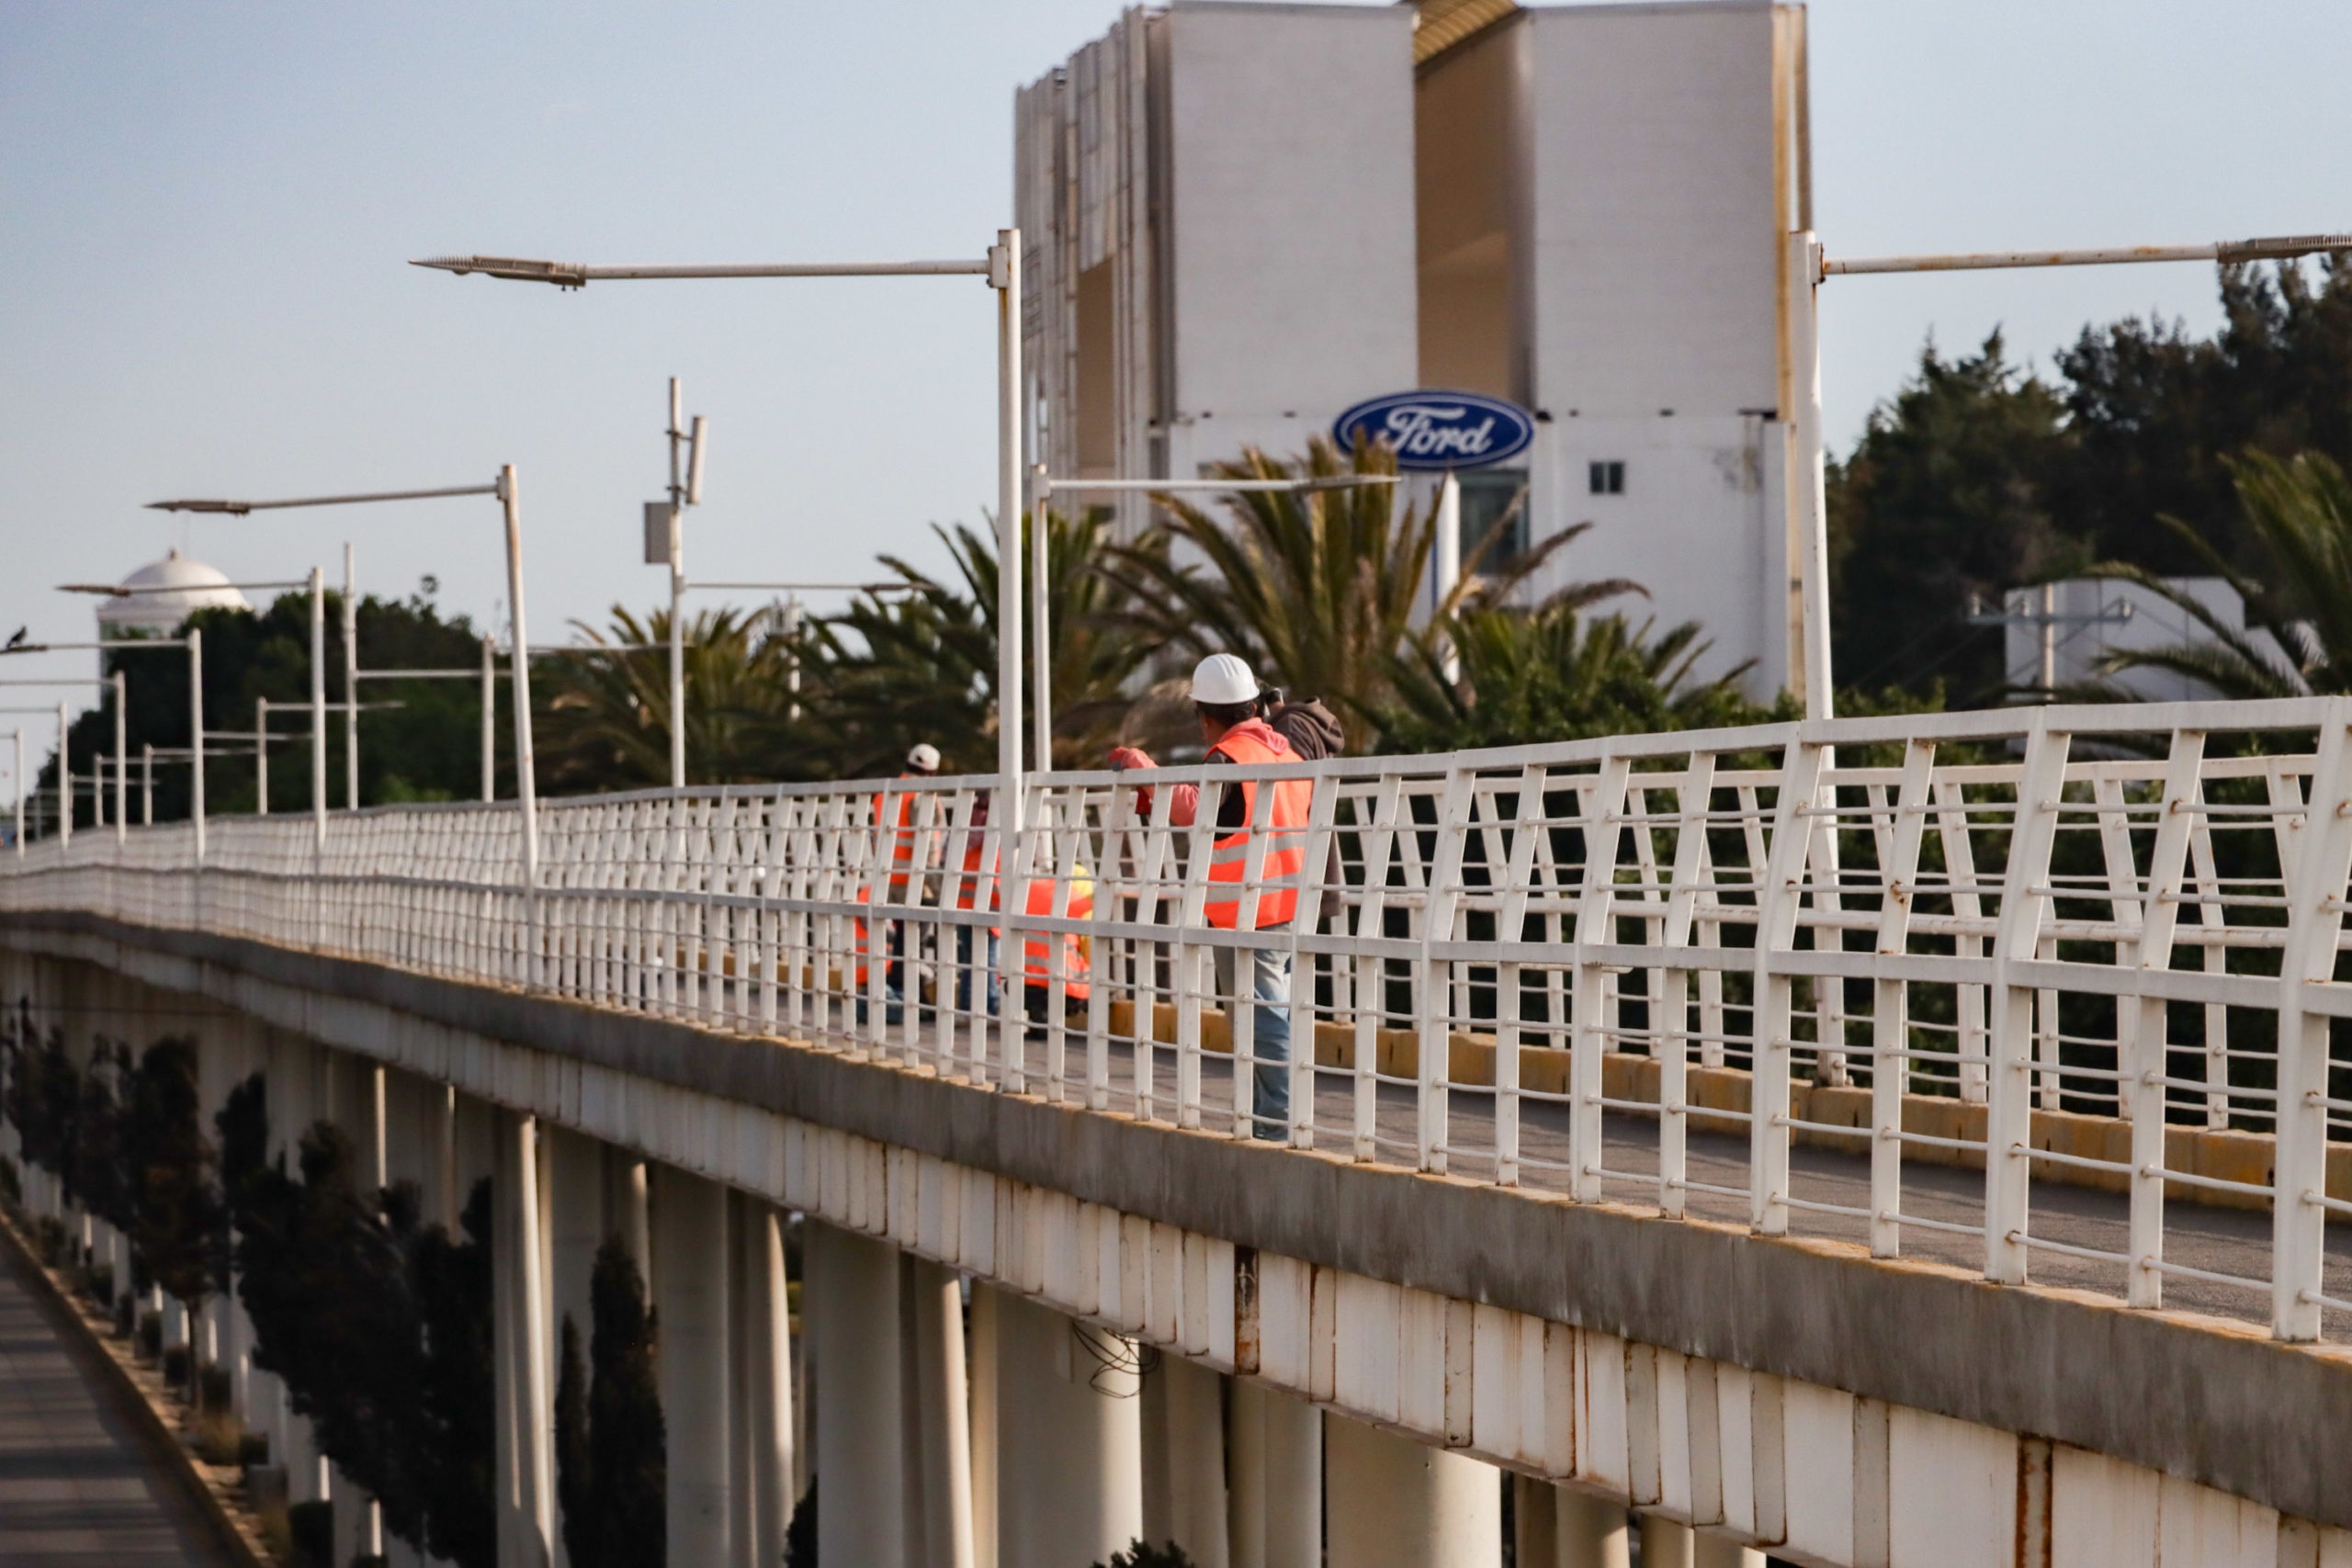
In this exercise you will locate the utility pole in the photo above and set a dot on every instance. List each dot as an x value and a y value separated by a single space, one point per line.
665 542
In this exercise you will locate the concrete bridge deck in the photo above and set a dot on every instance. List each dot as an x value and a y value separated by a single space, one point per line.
1590 1216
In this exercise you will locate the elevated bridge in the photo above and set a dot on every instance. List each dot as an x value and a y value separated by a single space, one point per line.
1916 1140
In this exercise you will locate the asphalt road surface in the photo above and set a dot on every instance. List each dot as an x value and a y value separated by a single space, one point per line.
78 1483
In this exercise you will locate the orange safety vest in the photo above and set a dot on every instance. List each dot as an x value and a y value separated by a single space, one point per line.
1036 946
902 845
1245 745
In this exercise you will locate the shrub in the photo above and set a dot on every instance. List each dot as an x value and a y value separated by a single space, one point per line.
312 1527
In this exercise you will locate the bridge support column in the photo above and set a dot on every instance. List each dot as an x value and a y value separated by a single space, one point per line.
525 1472
1398 1504
763 1495
1184 1461
690 1294
939 1439
1666 1544
1562 1528
1274 1460
1068 1441
852 1300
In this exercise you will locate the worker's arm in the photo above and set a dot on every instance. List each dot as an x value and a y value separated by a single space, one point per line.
1233 809
1187 797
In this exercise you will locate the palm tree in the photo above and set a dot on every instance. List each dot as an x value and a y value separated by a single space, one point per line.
923 665
607 707
1549 674
1318 590
2299 511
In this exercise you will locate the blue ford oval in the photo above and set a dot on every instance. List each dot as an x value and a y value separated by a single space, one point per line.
1439 430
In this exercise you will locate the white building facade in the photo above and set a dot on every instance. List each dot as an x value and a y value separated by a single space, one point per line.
1242 218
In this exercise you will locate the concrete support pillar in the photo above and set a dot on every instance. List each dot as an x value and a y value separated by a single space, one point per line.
444 1194
1275 1467
1561 1529
1664 1544
572 1198
1184 1461
629 1204
850 1301
1398 1504
690 1215
1721 1552
525 1471
764 1482
933 1383
985 1359
1069 1442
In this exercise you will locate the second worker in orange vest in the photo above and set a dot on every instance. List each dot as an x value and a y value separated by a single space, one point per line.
1226 698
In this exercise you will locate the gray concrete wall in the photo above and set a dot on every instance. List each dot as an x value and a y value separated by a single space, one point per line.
2213 1402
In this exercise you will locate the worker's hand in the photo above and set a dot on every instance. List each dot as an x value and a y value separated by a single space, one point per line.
1126 757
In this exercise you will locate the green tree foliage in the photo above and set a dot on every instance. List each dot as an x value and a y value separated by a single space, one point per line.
1978 477
800 1535
1942 501
378 1325
2297 516
612 1472
604 720
175 1203
923 665
1549 674
1143 1554
2156 416
1317 590
458 1434
429 748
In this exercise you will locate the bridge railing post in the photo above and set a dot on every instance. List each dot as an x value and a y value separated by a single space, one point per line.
1671 1036
1890 1023
2009 1127
2315 900
1778 900
1601 819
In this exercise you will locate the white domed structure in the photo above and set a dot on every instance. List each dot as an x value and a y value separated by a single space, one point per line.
176 587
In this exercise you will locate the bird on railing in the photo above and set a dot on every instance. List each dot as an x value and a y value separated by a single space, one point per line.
18 640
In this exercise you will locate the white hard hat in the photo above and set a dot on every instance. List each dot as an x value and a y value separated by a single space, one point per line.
924 757
1224 678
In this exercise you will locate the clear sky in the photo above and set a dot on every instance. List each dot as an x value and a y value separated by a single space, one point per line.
204 210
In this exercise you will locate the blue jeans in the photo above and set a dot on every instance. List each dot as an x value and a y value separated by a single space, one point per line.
1269 1040
963 971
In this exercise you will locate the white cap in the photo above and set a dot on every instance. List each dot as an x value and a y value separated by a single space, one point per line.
1224 678
924 757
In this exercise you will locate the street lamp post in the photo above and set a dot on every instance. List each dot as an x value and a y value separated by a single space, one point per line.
1002 267
194 643
1808 269
665 544
504 488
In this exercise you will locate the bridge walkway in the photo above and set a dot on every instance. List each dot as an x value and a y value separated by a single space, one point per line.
2214 1240
79 1484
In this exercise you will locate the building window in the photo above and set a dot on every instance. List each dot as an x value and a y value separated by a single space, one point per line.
1494 503
1609 477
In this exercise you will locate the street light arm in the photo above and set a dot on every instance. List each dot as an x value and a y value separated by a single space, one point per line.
2276 248
123 591
577 275
240 508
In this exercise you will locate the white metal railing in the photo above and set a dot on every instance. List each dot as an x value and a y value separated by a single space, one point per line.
1976 924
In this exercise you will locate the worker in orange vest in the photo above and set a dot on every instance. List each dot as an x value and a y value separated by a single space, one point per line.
923 762
1226 698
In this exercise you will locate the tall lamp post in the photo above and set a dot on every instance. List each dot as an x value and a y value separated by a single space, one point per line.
194 643
504 489
665 546
1808 267
1002 267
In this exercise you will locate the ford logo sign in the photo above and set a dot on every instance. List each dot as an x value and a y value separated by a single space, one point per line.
1439 430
